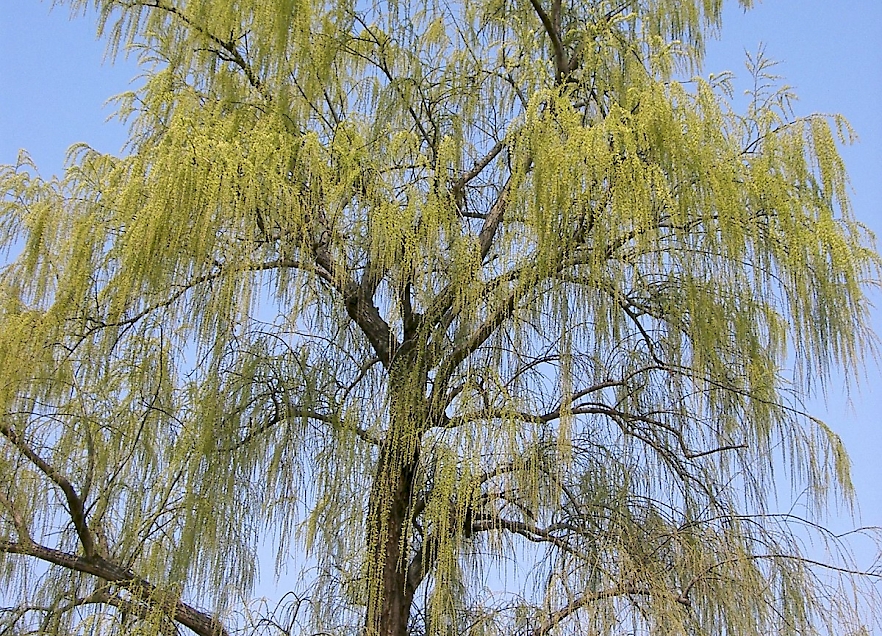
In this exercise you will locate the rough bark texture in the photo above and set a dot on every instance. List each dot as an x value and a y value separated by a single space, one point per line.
389 606
200 623
391 593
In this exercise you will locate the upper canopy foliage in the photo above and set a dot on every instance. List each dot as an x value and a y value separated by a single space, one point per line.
435 297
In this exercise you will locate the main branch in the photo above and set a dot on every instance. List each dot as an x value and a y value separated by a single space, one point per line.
188 616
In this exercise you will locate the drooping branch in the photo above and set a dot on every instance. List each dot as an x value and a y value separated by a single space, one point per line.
559 616
381 63
221 270
230 53
531 532
491 413
295 412
188 616
775 556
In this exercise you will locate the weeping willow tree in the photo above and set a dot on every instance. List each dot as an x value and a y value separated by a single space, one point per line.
478 311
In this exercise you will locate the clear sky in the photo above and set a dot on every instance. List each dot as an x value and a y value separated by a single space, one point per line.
54 83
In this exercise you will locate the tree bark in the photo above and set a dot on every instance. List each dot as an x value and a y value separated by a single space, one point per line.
199 622
390 594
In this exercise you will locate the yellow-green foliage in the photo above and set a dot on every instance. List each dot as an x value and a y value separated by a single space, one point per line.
472 290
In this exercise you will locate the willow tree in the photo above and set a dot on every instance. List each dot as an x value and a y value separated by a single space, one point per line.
482 315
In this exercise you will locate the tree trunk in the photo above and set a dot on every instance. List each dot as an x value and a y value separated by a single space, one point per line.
389 594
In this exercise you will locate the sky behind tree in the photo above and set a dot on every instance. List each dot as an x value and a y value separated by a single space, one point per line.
55 81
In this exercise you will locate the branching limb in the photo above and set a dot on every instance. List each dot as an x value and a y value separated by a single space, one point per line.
357 298
363 370
98 597
553 32
18 522
201 623
494 219
230 52
457 187
502 313
529 531
75 504
556 618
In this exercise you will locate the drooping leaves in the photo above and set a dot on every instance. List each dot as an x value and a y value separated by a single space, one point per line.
479 312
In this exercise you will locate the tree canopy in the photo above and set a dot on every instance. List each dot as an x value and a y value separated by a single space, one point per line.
487 315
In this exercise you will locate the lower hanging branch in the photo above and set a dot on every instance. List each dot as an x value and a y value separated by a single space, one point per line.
199 622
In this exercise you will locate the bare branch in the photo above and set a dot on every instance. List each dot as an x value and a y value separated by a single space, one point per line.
201 623
231 51
18 521
578 603
529 531
553 32
479 166
494 219
75 505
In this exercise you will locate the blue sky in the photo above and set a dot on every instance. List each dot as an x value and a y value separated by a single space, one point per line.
54 82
